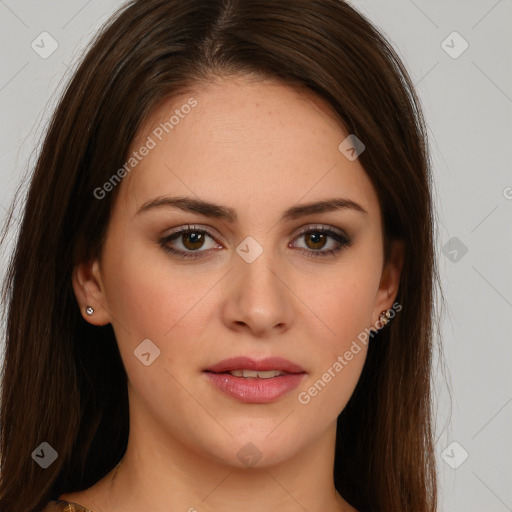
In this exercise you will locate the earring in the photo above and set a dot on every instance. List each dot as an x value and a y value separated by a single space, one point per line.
384 317
89 310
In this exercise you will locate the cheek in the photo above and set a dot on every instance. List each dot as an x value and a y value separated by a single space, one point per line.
345 311
343 303
342 298
150 298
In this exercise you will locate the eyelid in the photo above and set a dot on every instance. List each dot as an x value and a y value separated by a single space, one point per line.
325 227
191 227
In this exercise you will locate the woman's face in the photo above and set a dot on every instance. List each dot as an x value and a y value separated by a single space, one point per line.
255 276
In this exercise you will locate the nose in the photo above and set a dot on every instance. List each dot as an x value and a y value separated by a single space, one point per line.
259 297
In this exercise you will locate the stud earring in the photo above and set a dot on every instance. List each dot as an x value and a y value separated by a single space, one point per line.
384 317
89 310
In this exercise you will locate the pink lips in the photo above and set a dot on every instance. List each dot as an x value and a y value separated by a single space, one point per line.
255 390
246 363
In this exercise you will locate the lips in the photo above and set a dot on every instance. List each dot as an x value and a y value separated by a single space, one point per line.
255 382
264 365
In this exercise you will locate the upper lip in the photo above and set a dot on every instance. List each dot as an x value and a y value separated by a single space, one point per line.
246 363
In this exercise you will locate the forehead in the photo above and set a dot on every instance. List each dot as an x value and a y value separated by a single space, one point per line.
249 142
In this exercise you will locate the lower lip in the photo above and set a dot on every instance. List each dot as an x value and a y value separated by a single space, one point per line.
255 390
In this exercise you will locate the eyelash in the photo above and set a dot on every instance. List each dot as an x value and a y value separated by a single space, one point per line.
340 239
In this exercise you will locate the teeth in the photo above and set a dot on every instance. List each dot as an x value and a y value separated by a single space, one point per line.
253 374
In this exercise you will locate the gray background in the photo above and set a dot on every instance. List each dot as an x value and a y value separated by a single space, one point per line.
467 100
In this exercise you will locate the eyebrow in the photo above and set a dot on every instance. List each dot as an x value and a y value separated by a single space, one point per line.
217 211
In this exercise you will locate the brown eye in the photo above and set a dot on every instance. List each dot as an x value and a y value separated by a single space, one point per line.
193 240
318 240
188 242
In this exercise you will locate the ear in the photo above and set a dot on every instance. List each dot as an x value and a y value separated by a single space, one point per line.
90 291
390 279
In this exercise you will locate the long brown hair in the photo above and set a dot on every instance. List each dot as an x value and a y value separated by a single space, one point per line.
63 379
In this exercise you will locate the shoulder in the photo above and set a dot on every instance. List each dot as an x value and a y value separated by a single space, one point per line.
64 506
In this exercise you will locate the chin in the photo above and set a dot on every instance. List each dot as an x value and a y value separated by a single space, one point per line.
255 451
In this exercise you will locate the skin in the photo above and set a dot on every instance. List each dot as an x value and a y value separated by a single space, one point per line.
258 147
